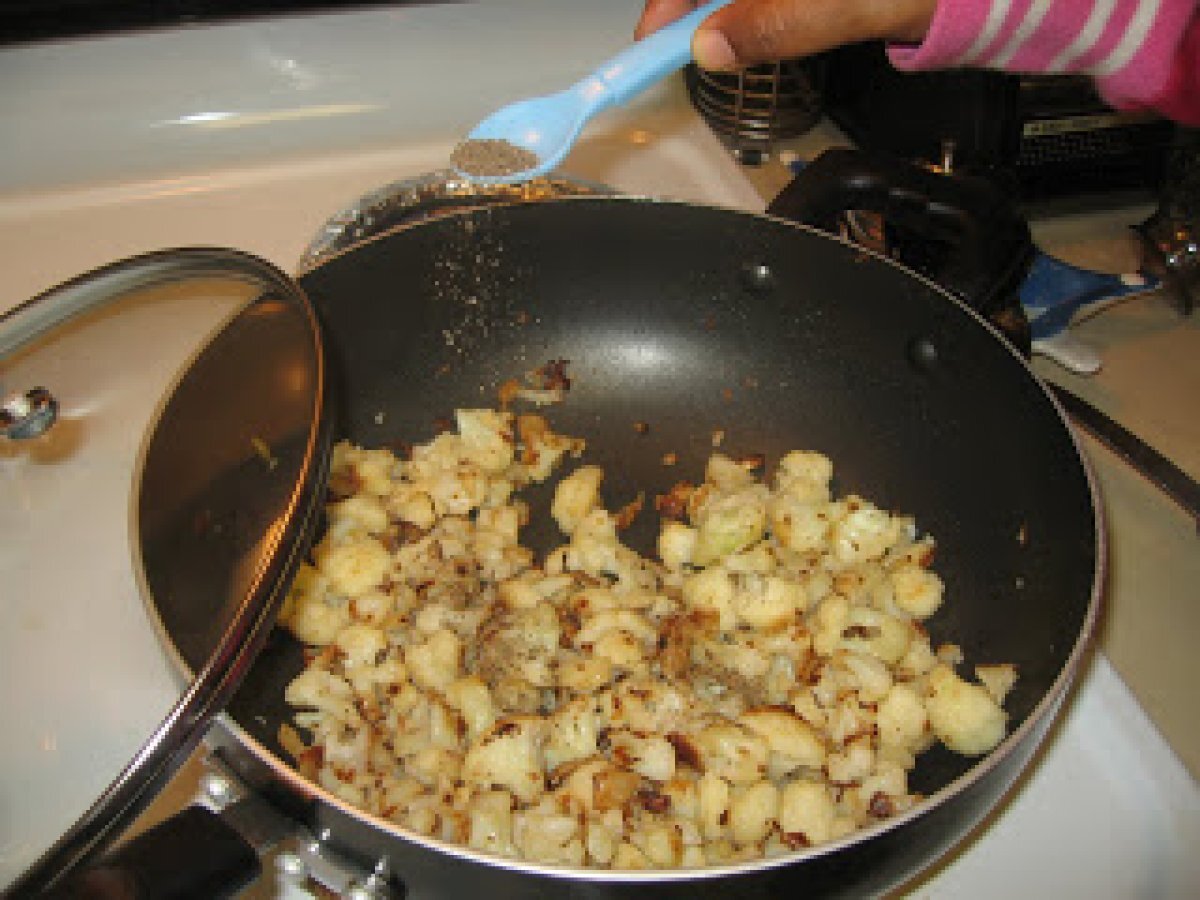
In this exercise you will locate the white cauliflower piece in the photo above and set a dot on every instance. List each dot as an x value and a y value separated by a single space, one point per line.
711 589
804 476
768 602
806 813
728 524
871 631
473 701
487 438
549 837
916 591
572 733
576 496
865 533
733 752
871 677
799 526
753 812
362 644
321 690
607 620
964 716
650 755
509 756
902 720
434 664
727 475
853 762
793 742
316 622
712 796
457 491
491 823
410 504
354 567
998 680
676 543
362 512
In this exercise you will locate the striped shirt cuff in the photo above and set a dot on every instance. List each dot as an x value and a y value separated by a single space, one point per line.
1128 46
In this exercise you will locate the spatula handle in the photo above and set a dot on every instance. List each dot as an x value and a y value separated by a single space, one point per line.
645 62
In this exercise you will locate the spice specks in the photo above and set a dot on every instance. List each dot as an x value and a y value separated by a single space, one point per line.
491 157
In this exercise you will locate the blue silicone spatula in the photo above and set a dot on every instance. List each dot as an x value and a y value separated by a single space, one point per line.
548 126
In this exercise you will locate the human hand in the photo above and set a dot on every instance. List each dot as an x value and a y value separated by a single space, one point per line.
754 31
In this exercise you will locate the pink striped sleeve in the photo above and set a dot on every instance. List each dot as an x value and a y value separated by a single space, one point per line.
1142 53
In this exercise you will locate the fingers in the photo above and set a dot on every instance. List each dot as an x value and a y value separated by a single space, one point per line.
755 31
661 12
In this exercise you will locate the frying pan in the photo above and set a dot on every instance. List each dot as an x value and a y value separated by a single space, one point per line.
693 319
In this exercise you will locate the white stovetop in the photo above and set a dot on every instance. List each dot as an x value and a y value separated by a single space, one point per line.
1107 810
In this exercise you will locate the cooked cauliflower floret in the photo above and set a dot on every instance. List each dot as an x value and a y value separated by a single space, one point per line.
576 496
650 755
865 533
354 567
711 590
727 475
487 438
765 685
768 602
728 524
549 837
806 813
713 800
509 756
362 644
964 716
316 622
793 743
573 733
434 664
676 544
800 526
323 691
997 680
491 823
362 512
733 752
804 476
874 632
917 591
473 700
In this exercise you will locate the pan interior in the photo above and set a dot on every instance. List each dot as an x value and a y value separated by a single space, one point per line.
695 320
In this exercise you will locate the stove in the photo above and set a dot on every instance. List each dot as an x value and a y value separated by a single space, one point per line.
250 135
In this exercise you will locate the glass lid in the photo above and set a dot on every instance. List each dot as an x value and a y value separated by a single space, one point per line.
163 431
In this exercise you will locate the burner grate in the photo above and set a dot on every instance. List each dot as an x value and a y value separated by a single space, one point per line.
754 108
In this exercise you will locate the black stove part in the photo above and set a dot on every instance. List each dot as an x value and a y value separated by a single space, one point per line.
752 109
1051 134
962 231
1156 468
1171 250
1171 236
194 855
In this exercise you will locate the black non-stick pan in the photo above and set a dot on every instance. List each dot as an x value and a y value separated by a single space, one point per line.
690 320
